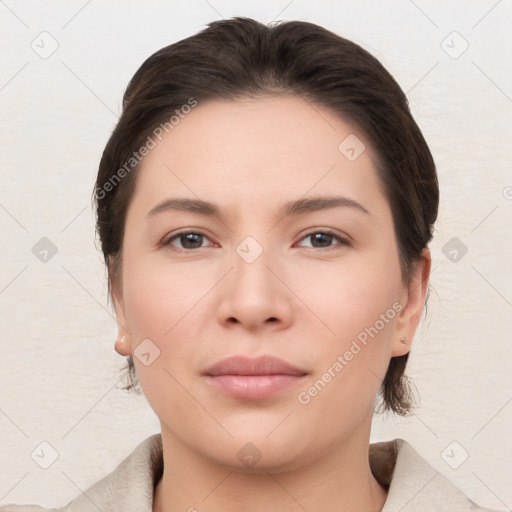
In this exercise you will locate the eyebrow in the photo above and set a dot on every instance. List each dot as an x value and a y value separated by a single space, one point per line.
292 208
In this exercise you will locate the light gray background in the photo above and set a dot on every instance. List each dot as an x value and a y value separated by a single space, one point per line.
58 370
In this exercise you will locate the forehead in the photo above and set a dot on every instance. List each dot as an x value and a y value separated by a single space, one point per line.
255 150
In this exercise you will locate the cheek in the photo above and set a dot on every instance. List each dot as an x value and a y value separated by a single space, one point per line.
159 303
161 307
349 299
359 307
158 295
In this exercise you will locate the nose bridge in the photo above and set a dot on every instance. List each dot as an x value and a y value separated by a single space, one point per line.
251 274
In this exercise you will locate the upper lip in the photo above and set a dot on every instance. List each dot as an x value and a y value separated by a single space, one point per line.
263 365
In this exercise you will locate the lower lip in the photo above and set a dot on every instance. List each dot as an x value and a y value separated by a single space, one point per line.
253 387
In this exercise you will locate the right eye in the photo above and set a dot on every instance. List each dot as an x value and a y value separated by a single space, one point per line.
188 240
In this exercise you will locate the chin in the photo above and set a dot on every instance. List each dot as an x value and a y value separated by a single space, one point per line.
257 453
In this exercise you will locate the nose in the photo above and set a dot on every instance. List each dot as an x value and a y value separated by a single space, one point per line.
254 297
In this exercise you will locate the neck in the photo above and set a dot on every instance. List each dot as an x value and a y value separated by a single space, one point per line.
339 480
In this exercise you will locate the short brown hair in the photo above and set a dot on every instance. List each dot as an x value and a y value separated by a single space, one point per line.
241 57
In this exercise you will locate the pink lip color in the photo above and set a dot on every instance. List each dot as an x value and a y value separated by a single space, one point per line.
253 387
253 378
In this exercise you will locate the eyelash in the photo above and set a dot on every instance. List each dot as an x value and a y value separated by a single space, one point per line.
342 240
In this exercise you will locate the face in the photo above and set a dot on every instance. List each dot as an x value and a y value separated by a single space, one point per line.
294 258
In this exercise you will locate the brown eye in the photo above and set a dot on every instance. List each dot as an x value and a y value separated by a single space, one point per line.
188 240
321 239
324 239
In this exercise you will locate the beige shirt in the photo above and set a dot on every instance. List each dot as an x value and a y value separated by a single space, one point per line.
413 485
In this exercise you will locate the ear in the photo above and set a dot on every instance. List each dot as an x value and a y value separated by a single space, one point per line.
122 345
413 299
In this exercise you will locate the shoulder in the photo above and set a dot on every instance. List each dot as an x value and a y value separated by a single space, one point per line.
413 484
129 487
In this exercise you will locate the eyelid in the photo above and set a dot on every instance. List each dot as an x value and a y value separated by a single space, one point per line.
342 238
166 241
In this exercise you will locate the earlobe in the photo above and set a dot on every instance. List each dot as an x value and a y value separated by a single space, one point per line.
414 300
123 343
122 346
401 347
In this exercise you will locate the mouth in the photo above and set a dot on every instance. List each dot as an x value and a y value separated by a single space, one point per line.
253 378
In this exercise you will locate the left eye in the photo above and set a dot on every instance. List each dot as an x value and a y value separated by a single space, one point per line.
321 239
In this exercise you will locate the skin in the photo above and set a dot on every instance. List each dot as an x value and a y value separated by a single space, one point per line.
298 301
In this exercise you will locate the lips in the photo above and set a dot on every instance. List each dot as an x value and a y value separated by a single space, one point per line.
263 365
253 379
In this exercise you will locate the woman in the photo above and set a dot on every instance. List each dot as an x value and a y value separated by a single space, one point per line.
264 206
